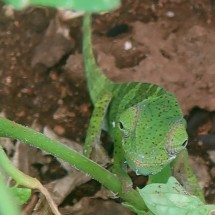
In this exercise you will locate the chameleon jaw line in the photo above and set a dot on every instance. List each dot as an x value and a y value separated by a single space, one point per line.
145 164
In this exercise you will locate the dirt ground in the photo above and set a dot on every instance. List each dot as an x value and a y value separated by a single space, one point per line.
42 84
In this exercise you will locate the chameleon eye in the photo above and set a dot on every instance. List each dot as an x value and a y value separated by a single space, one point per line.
185 143
125 133
121 125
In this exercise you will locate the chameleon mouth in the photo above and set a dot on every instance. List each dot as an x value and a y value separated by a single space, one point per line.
148 168
140 164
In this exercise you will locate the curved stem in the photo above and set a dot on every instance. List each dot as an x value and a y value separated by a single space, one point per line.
7 205
13 130
25 180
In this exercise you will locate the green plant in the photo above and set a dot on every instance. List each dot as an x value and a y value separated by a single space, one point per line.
82 5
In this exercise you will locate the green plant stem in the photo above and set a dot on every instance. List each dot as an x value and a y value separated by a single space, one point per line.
25 180
17 175
13 130
7 205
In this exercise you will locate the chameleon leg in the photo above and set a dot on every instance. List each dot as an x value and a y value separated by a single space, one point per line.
96 121
120 166
182 170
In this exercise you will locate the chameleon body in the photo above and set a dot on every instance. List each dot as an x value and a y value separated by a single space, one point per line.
144 120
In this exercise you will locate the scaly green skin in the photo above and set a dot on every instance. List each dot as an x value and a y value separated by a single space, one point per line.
144 120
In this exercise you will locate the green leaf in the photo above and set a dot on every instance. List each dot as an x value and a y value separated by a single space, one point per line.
171 198
95 5
7 205
162 176
22 194
80 5
133 209
18 4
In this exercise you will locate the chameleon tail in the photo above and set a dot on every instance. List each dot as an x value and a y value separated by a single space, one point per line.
96 81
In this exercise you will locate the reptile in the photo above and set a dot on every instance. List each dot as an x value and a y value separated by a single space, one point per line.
144 121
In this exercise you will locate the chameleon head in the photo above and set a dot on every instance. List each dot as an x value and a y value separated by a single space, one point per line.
152 134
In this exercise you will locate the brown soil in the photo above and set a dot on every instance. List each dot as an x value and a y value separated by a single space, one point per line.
170 43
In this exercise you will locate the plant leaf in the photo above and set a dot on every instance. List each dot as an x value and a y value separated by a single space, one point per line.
80 5
171 198
133 209
22 194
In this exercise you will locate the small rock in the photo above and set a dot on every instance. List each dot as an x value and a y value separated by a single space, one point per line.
74 67
212 155
213 172
170 14
127 45
60 130
54 46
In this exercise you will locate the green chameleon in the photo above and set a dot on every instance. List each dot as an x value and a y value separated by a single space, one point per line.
144 120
